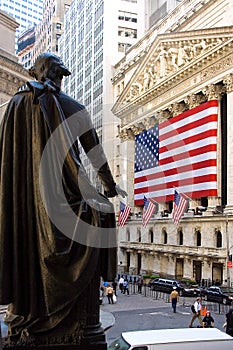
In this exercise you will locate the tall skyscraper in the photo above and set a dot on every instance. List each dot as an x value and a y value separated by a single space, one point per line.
96 35
27 13
50 28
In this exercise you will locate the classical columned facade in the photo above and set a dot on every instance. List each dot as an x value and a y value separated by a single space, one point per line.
179 71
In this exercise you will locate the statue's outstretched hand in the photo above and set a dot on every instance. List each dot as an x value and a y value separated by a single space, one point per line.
121 192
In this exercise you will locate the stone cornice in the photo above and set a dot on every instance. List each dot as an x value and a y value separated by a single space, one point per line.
8 21
13 66
12 76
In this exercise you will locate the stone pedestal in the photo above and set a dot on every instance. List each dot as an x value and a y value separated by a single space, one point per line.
63 347
90 344
93 338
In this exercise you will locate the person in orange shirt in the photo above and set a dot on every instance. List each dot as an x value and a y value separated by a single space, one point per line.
109 293
174 298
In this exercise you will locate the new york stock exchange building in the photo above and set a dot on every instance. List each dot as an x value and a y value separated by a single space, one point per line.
174 98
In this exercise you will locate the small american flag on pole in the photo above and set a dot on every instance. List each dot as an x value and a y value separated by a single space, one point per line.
123 214
179 206
150 207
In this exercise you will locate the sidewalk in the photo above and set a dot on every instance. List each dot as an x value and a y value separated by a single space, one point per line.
126 302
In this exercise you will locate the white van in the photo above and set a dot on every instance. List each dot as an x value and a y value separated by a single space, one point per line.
174 339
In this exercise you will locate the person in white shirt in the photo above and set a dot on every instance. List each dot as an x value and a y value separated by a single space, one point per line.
197 314
121 286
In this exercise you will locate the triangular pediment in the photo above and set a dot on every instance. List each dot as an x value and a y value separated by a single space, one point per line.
170 59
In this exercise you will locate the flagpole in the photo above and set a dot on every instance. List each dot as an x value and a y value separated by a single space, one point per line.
183 194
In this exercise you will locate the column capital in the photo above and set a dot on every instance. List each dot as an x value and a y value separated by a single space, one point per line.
138 127
195 100
214 91
164 115
228 81
178 108
126 134
150 121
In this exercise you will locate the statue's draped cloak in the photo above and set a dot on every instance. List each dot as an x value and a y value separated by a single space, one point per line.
44 274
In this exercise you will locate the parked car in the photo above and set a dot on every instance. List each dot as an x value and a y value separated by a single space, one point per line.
218 294
166 285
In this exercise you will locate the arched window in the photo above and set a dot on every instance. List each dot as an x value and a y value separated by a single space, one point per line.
180 237
164 236
139 235
128 235
198 238
218 239
151 235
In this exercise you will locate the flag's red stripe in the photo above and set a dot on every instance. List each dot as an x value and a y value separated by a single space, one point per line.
123 216
188 154
148 213
179 209
193 194
187 127
176 184
182 169
182 116
182 142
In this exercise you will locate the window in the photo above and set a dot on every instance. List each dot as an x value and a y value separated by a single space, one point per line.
127 32
117 170
139 235
122 47
180 237
128 235
127 16
151 235
164 236
198 238
218 239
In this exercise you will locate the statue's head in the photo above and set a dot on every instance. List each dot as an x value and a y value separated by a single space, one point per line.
49 66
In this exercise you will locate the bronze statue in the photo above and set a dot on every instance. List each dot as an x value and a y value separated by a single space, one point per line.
57 232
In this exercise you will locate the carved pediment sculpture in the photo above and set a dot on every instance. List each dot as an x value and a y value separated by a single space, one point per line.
171 55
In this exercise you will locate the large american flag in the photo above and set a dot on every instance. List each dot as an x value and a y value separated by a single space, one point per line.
150 207
179 153
180 204
123 214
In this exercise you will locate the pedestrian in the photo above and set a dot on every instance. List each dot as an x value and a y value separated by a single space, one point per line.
174 298
114 286
208 321
126 287
140 284
197 314
109 293
121 283
229 323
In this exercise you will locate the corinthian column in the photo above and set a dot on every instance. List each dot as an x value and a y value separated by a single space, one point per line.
127 163
228 81
215 92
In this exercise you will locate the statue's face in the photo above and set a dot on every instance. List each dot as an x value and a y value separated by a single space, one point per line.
57 67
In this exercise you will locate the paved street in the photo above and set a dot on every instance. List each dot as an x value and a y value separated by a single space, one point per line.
137 312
